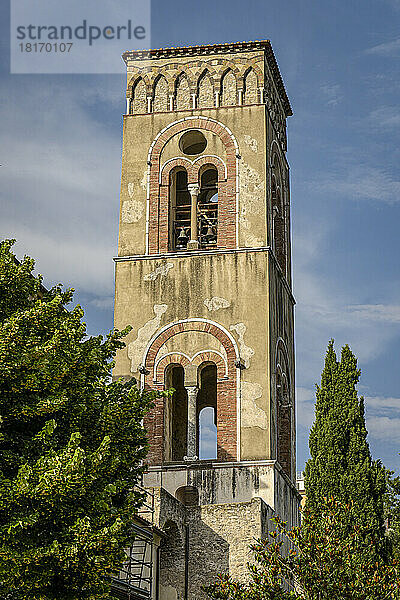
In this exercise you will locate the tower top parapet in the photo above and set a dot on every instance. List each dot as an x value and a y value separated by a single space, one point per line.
210 49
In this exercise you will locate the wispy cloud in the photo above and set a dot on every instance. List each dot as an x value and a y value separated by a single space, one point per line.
60 180
382 403
391 48
385 313
394 3
327 308
386 429
305 399
332 93
106 303
385 116
383 418
361 182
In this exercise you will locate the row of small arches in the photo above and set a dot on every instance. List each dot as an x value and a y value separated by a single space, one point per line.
207 93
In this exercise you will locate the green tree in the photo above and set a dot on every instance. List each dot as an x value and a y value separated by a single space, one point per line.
328 560
392 511
71 445
340 465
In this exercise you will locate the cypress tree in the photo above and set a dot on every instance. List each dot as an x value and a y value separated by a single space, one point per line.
341 465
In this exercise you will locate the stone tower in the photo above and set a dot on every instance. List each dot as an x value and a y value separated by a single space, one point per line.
203 274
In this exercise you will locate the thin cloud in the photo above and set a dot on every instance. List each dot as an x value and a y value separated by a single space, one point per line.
386 313
382 403
326 309
332 93
384 428
360 183
305 401
391 48
386 116
106 303
60 183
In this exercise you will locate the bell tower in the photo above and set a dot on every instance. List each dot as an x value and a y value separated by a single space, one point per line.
203 274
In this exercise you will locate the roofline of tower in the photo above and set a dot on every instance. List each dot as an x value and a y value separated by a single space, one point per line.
219 49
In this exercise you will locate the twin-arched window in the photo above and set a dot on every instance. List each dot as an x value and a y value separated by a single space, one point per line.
182 197
176 418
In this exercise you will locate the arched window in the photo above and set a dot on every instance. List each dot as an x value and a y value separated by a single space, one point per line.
176 415
278 218
180 205
182 93
160 102
284 423
207 412
229 92
207 434
250 91
139 103
208 207
205 92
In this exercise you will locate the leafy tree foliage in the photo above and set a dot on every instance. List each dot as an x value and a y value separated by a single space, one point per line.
71 445
340 465
328 559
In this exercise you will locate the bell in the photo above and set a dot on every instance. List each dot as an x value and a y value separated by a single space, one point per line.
182 239
210 234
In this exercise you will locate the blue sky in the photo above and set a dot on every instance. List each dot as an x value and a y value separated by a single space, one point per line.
61 152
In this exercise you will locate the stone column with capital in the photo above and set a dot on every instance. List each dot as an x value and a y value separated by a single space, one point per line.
192 392
194 190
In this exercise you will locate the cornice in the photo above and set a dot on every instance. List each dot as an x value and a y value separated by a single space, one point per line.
235 47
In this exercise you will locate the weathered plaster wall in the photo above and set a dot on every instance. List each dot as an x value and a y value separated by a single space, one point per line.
184 291
218 483
247 125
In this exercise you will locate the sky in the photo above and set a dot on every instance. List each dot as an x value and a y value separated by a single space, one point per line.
61 160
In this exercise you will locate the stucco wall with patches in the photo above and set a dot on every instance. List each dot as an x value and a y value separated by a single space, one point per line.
234 292
185 290
249 129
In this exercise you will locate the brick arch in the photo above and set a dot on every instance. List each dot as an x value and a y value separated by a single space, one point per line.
203 67
206 72
158 231
282 359
170 165
275 151
203 77
178 358
193 168
253 66
163 72
209 356
134 80
227 66
216 162
227 441
185 72
175 358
